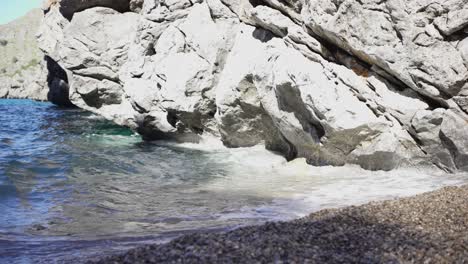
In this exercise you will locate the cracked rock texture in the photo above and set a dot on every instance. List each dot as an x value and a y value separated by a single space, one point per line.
381 84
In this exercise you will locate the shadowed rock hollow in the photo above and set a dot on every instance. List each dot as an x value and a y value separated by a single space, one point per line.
382 84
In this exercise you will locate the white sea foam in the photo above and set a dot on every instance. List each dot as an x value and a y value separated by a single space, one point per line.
207 143
298 189
95 117
294 188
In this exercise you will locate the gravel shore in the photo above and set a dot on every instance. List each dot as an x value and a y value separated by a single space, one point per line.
428 228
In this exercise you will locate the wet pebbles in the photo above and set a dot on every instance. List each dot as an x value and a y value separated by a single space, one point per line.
428 228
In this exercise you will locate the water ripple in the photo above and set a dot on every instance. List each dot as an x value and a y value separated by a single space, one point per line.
74 185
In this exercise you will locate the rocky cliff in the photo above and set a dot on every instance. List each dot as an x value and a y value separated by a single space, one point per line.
23 72
381 84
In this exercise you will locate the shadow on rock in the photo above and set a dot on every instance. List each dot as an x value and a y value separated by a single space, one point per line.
57 81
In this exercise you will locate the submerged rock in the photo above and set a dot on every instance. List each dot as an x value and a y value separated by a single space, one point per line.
379 84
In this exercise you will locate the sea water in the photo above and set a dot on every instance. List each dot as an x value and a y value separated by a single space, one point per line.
74 186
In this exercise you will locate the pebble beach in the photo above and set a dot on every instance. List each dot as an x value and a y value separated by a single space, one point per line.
428 228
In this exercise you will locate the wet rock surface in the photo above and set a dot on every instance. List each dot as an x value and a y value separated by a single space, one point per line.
428 228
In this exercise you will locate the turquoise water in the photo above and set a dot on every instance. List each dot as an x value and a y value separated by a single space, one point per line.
74 186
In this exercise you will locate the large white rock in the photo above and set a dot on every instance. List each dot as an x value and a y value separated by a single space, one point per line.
453 134
179 64
242 119
427 128
92 49
333 81
399 36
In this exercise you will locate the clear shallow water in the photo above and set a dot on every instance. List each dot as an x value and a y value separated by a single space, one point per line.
73 185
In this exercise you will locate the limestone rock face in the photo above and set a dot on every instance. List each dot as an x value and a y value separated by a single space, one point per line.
381 84
408 39
23 72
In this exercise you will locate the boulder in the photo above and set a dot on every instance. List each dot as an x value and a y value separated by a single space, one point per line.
453 135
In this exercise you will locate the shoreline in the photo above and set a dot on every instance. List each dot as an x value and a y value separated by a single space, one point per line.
430 228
